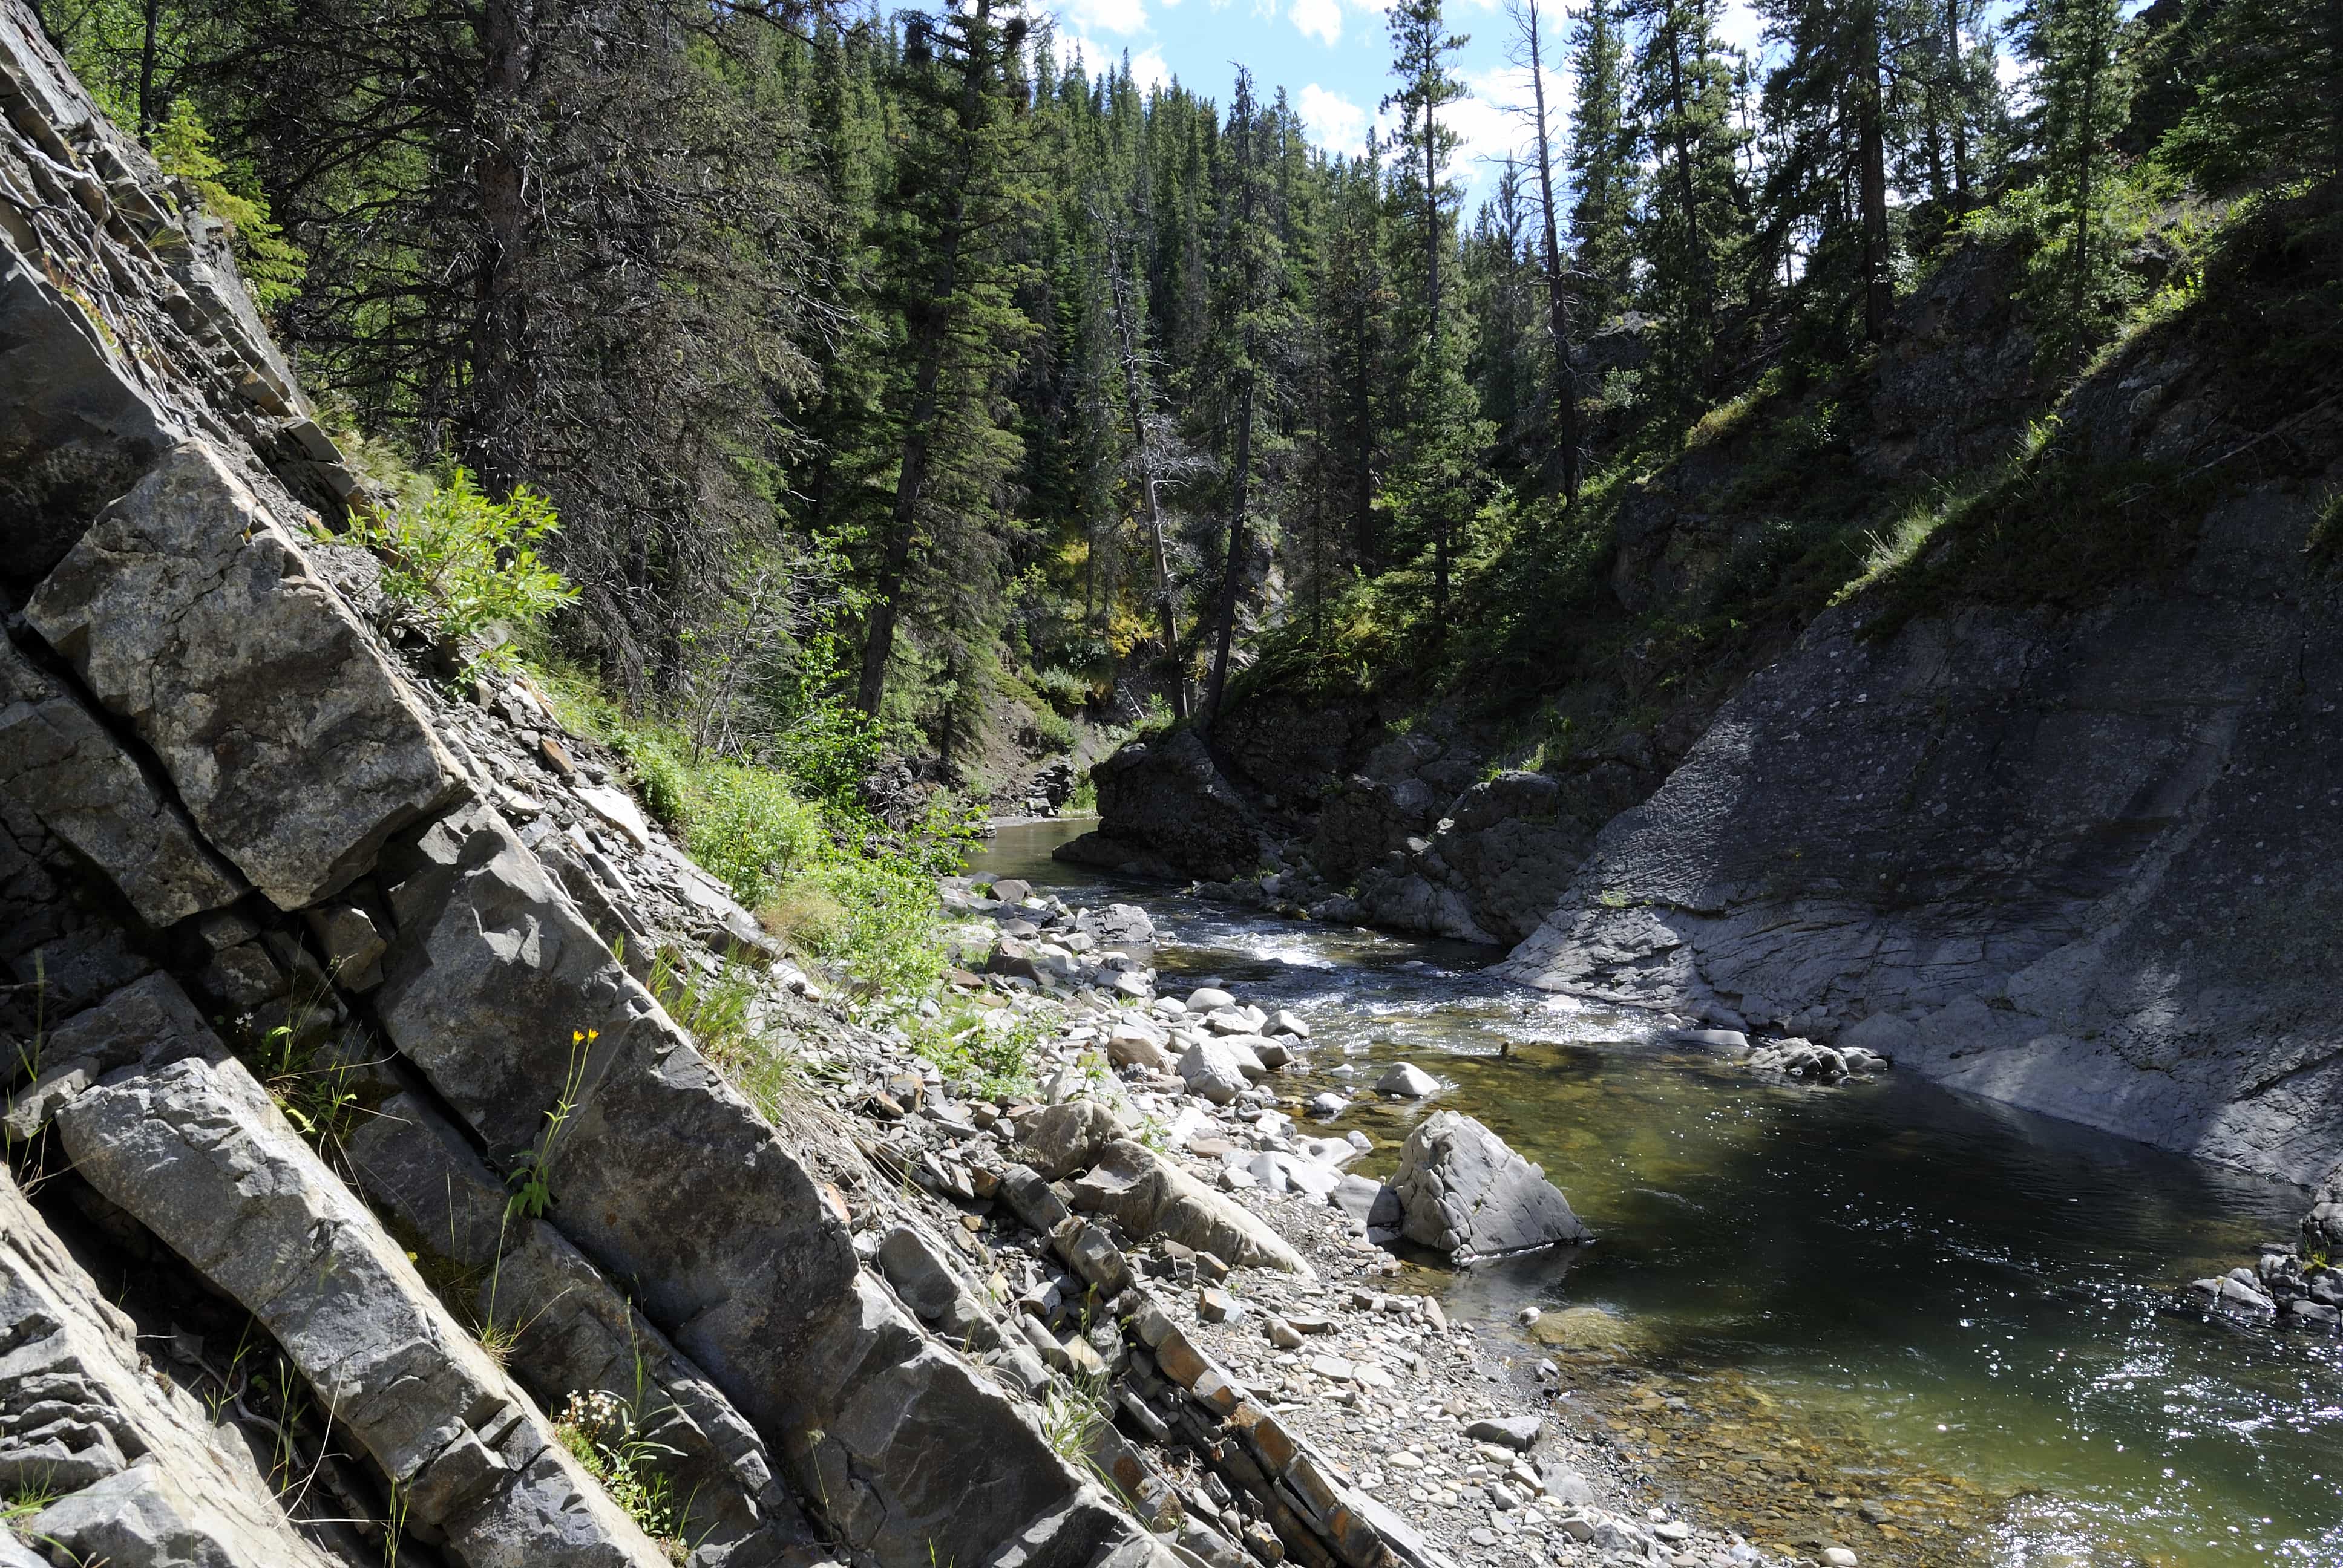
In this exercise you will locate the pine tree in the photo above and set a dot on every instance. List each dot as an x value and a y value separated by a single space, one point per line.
1442 422
1250 314
959 191
1602 158
2269 95
1567 441
2080 104
1691 228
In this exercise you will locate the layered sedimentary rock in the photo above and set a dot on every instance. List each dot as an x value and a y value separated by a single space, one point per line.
1460 1190
222 796
2081 862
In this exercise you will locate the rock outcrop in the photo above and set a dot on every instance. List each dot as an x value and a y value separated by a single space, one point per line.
197 1153
1167 808
223 795
134 1469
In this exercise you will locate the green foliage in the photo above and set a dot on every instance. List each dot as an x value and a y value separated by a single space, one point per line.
990 1047
272 264
748 827
883 931
470 562
606 1435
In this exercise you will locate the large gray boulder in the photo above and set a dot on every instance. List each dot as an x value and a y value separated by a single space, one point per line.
1059 1140
138 1472
1149 1196
198 1154
1165 803
490 989
1212 1068
61 763
2322 1225
189 611
1463 1192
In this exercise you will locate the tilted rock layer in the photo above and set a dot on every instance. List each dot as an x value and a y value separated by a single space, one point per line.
222 796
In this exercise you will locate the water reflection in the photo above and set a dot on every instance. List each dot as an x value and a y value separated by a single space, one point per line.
1932 1328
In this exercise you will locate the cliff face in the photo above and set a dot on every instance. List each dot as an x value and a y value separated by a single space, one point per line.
2079 862
239 842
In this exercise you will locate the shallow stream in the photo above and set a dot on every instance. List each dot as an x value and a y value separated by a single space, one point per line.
1929 1328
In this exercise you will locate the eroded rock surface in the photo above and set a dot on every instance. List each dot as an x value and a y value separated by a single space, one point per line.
190 612
137 1472
2078 862
198 1152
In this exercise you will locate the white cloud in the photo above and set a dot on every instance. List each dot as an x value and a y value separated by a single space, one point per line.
1149 71
1147 67
1333 122
1120 16
1741 26
1319 19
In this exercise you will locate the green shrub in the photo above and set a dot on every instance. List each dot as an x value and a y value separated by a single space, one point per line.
886 937
990 1049
470 562
747 827
272 264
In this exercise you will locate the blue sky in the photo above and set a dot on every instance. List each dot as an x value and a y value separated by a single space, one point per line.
1333 58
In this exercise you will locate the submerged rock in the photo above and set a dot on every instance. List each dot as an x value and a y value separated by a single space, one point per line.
1462 1192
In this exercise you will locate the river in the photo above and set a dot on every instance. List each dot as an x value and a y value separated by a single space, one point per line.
1936 1328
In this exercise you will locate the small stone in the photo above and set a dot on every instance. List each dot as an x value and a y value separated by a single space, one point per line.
1516 1431
1283 1334
1218 1306
1407 1081
1210 999
1837 1557
1672 1530
1209 1266
1527 1316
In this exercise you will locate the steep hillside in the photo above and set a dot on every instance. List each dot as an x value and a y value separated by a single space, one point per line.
334 1113
2010 763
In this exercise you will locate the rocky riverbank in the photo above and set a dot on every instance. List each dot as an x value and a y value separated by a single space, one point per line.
1264 1288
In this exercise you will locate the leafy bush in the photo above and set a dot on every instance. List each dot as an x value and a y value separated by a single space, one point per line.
470 562
884 931
747 827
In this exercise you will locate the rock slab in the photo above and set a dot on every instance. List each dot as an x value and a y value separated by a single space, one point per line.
189 611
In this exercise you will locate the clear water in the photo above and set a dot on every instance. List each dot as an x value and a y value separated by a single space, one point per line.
1930 1328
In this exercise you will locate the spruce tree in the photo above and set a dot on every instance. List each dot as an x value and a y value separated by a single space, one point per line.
1442 434
1604 161
1691 228
961 189
2080 104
